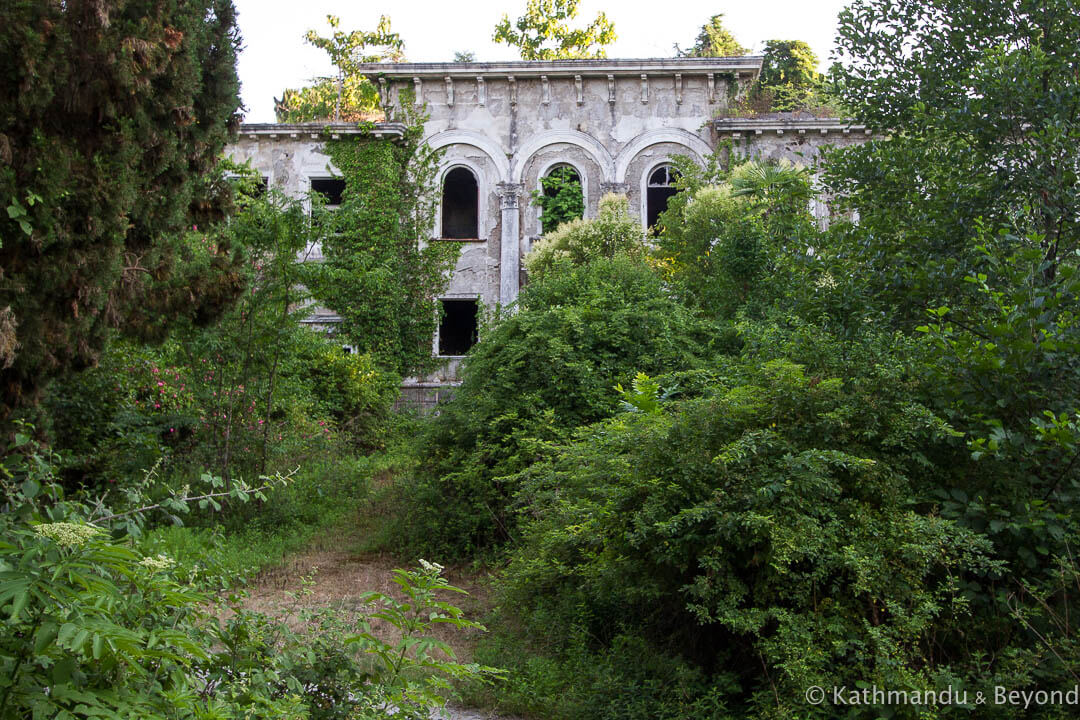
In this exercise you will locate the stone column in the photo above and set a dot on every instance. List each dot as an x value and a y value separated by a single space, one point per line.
510 249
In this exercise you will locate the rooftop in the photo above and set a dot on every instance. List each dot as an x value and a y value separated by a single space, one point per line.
748 65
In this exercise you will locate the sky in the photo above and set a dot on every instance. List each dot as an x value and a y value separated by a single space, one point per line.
275 55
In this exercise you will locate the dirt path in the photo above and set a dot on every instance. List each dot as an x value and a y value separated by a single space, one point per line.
336 578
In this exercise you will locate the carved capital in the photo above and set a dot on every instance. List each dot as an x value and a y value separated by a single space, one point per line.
617 188
510 193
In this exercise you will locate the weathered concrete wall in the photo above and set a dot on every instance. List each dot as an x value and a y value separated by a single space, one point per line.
783 137
510 124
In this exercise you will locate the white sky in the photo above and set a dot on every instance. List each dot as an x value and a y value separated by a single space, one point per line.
275 55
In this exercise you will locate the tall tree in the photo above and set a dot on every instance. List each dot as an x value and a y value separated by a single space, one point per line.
543 32
714 40
969 232
347 95
983 102
789 62
112 116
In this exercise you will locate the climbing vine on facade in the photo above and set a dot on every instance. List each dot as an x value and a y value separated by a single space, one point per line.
380 275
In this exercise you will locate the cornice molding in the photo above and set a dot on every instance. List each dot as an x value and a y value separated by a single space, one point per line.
745 65
318 130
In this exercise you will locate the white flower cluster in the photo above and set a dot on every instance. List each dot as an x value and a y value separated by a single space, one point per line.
67 534
156 564
435 568
826 282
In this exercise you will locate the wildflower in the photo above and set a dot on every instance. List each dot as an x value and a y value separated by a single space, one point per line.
67 534
431 567
826 282
156 564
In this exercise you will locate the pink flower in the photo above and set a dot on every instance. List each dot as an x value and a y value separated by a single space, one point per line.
160 383
157 406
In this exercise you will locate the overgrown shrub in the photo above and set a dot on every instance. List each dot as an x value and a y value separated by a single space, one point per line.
774 520
578 241
537 372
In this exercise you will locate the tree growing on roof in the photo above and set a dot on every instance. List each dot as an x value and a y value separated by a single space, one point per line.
543 32
347 95
713 40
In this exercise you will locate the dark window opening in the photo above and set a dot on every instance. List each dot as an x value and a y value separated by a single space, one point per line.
661 188
460 205
330 188
457 330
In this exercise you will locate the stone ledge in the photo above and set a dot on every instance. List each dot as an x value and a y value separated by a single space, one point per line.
745 64
782 126
318 130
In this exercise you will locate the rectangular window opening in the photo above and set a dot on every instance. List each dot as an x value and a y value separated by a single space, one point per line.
330 188
458 328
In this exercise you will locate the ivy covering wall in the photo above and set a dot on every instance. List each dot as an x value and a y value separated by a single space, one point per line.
380 275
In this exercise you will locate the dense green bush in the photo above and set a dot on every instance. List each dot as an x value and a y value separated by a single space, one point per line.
254 393
736 237
578 241
775 519
537 372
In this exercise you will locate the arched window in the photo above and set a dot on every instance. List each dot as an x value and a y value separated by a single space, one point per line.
460 205
562 197
658 191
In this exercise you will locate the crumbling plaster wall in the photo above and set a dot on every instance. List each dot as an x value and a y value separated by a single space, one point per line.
288 163
803 149
520 137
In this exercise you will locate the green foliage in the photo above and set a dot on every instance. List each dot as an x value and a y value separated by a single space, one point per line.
771 518
714 40
561 198
96 628
253 393
114 117
966 89
789 80
611 233
378 275
417 652
350 96
726 231
538 371
543 33
789 62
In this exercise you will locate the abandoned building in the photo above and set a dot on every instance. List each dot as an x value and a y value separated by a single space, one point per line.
614 123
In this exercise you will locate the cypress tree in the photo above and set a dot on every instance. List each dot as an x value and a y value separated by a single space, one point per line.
113 114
